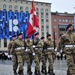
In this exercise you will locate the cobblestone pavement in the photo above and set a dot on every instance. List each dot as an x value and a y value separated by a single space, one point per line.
60 67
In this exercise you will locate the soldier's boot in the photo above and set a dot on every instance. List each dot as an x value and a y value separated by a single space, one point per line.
29 71
68 73
20 72
15 73
37 72
43 70
51 72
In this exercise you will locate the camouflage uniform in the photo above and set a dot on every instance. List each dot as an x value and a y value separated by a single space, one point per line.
18 46
14 59
49 51
37 56
67 41
28 55
43 70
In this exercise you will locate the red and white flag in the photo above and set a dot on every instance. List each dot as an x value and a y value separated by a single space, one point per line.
33 25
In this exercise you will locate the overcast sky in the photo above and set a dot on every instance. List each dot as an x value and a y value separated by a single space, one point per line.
61 5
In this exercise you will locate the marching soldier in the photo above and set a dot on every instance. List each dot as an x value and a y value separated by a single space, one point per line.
43 70
37 51
10 51
28 54
49 53
67 41
18 46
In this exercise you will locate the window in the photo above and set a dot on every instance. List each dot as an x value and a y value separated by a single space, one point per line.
72 21
42 10
46 10
26 8
5 42
54 27
10 7
16 7
66 20
4 6
46 15
60 20
37 9
42 33
54 20
21 8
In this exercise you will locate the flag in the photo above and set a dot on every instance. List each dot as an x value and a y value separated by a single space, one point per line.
33 25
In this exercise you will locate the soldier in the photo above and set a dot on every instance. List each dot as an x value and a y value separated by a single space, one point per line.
49 53
37 51
18 46
67 41
28 54
43 70
10 51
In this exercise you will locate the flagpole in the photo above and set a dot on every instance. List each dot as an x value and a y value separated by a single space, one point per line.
33 21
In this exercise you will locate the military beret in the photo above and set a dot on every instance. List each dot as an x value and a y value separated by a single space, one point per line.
48 35
36 33
14 36
19 34
68 26
42 37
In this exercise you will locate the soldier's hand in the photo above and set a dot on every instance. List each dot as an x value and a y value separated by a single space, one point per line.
33 54
33 46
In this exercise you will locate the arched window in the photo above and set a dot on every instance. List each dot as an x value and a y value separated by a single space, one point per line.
26 9
16 7
21 8
10 7
4 6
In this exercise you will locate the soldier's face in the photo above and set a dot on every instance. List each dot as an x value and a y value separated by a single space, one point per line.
49 37
20 36
70 28
14 38
37 36
28 39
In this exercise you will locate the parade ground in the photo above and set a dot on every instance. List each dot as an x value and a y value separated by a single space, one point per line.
60 67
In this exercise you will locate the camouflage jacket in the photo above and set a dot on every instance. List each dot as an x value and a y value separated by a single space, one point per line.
18 45
66 39
10 47
29 45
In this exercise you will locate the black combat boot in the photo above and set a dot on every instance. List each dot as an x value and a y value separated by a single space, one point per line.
20 72
29 72
68 73
15 73
51 72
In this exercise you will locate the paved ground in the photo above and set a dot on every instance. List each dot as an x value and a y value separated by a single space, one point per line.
60 67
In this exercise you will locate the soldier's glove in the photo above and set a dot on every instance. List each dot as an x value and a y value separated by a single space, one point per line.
33 54
33 46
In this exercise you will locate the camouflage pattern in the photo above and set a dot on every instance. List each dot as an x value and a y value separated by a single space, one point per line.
43 69
28 55
68 39
18 46
49 54
14 58
37 57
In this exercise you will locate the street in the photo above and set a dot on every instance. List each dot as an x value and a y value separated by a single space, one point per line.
60 67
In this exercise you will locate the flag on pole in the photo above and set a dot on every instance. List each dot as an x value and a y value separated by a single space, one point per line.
33 25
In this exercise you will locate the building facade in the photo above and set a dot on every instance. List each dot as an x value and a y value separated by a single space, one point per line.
60 22
12 11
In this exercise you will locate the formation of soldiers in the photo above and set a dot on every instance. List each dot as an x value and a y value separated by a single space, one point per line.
41 50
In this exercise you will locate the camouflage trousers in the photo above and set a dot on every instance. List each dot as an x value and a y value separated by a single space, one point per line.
37 62
28 59
15 62
71 63
48 56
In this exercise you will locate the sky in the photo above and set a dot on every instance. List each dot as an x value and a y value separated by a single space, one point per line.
61 5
